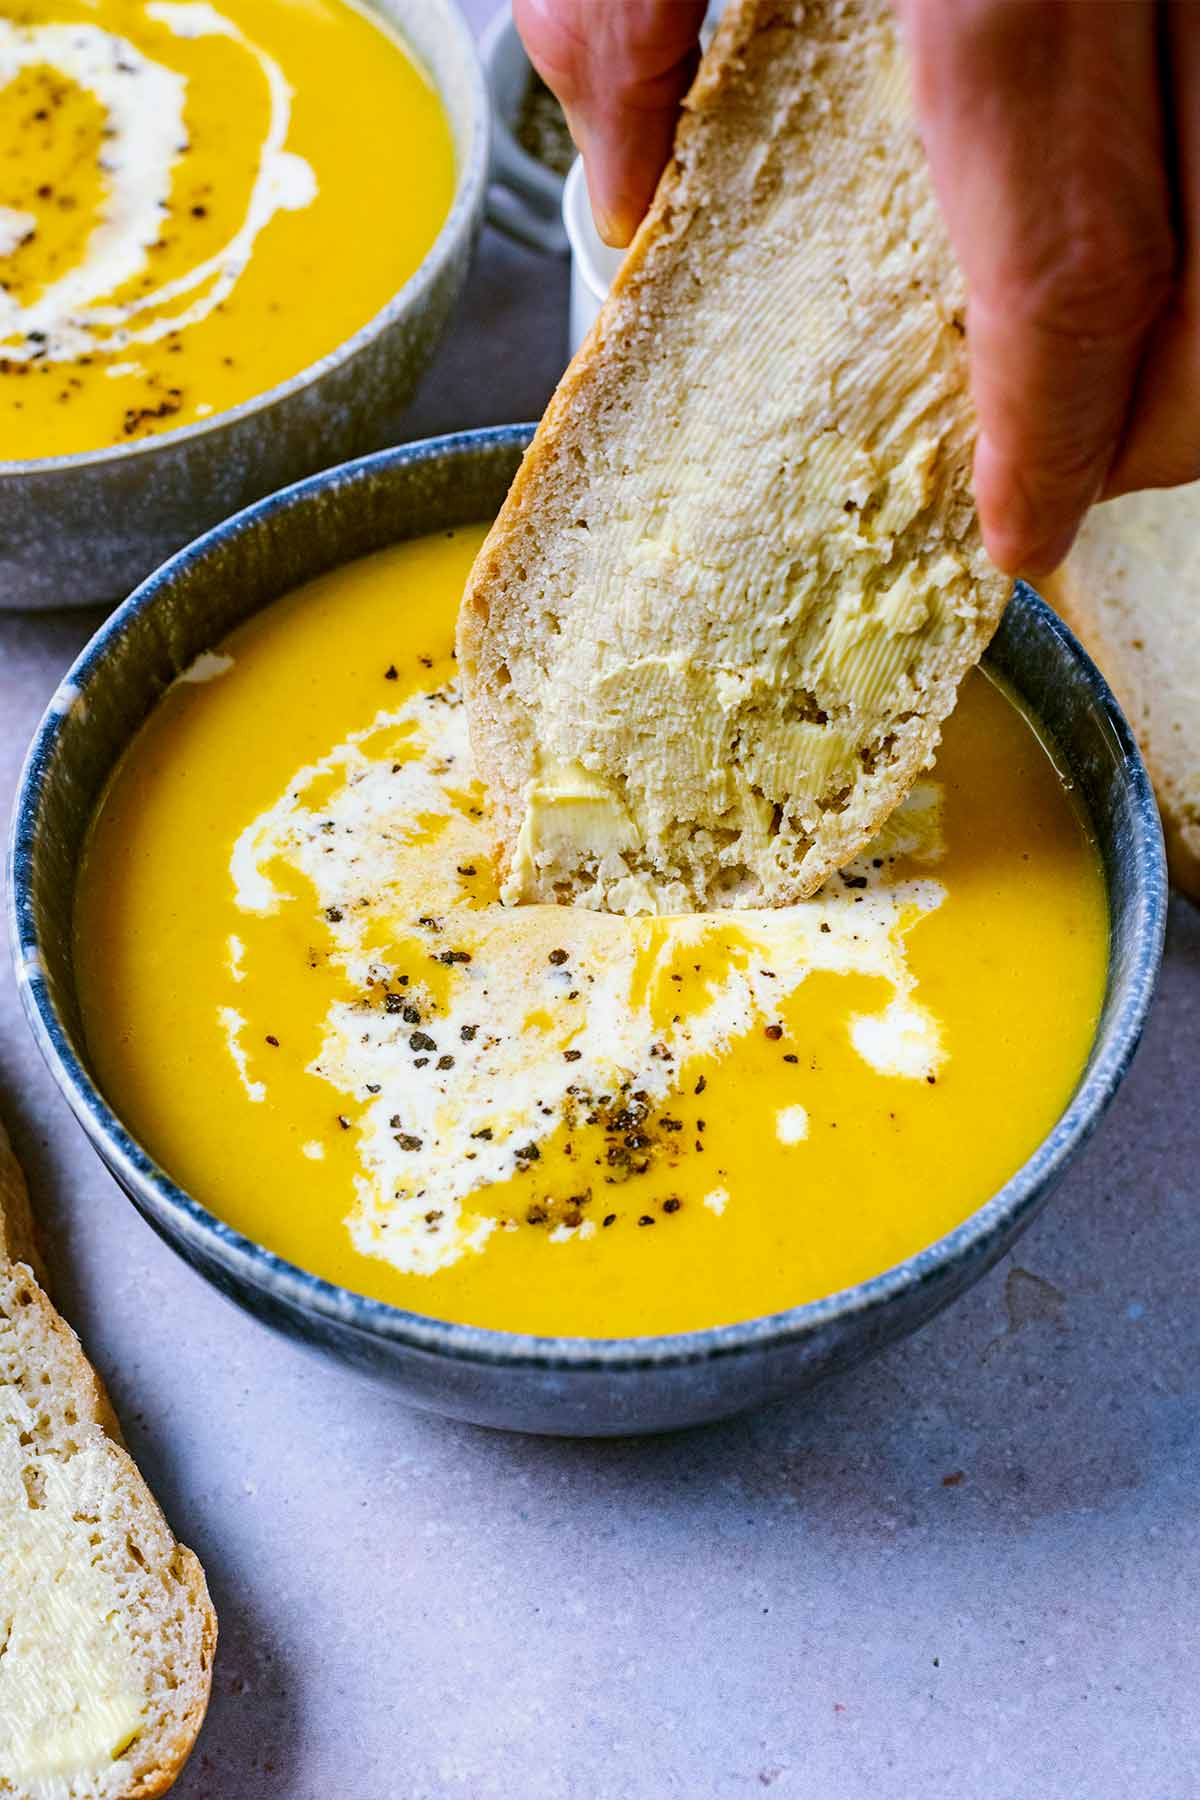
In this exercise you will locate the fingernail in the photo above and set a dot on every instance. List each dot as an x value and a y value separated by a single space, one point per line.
607 221
612 230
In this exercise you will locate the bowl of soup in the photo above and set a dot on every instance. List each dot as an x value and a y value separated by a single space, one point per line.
230 236
540 1167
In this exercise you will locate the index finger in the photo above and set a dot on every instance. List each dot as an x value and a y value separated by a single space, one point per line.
1045 132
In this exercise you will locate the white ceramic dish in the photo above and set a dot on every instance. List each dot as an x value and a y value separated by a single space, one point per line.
594 263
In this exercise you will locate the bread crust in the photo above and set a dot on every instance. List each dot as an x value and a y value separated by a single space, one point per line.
76 1418
18 1242
792 64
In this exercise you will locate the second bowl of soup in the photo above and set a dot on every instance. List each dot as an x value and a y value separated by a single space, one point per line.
229 237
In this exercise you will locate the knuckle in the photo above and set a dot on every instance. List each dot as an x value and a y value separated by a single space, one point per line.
1106 280
1060 457
1069 473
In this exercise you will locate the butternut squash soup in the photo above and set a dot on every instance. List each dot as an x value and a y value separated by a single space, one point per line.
301 993
198 201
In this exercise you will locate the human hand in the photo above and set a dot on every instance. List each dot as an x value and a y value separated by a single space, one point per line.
619 69
1062 135
1064 139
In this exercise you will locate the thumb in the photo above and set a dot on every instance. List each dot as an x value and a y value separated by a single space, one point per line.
619 71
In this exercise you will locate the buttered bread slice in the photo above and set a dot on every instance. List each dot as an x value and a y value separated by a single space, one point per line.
106 1628
1131 589
712 636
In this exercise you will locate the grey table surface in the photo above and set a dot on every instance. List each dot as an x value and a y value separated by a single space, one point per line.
970 1568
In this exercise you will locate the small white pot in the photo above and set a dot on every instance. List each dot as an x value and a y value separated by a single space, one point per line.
594 263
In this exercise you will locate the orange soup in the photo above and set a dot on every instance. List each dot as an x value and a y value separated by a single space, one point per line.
302 994
198 201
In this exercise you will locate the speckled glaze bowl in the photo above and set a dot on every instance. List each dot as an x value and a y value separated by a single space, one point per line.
565 1385
85 528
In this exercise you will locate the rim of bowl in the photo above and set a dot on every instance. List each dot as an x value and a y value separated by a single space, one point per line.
470 189
263 1270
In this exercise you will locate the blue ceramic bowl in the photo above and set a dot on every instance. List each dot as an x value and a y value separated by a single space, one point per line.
568 1385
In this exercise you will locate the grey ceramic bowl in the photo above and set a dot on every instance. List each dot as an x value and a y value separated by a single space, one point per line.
528 1383
87 527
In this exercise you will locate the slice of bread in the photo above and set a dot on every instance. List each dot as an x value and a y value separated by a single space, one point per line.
1131 590
106 1628
17 1242
710 641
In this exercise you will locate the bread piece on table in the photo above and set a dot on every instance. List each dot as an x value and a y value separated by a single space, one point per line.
17 1239
1131 590
106 1628
711 638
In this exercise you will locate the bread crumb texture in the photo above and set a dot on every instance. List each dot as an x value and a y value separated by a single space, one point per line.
106 1629
709 643
1131 589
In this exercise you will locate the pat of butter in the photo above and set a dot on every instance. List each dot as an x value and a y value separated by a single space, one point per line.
569 813
70 1687
903 606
